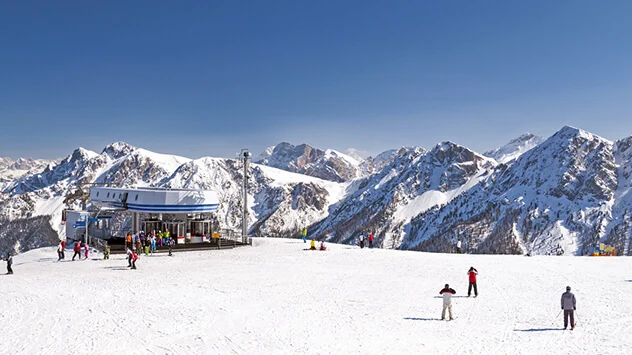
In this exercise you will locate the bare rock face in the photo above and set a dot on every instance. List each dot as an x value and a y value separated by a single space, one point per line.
304 159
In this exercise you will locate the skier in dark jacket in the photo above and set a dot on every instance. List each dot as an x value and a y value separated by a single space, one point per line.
569 305
171 243
9 260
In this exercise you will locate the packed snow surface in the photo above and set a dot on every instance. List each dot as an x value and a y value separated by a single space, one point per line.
277 298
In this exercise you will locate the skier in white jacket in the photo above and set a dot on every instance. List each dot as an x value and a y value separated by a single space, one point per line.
447 293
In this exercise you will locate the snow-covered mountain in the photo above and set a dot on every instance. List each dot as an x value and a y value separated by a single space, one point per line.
372 165
11 170
415 181
281 202
556 198
303 159
515 148
561 196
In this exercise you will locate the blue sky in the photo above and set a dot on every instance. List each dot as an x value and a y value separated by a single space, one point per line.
206 78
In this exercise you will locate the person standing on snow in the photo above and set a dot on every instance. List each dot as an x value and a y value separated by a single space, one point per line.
59 250
134 257
128 251
370 240
361 240
87 249
128 240
171 243
447 293
139 247
106 252
472 274
9 260
304 234
153 244
458 246
77 250
63 249
569 305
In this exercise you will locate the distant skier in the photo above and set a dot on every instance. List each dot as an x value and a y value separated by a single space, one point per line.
472 274
361 240
171 243
304 234
312 245
569 306
129 257
153 244
63 249
370 240
77 250
322 245
139 247
9 260
128 240
59 251
106 252
458 246
447 293
134 258
87 249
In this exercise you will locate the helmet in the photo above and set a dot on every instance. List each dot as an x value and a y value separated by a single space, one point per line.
446 285
568 288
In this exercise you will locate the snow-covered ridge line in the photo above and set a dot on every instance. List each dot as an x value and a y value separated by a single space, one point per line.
560 196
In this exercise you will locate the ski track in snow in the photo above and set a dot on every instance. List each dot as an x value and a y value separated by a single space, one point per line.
277 298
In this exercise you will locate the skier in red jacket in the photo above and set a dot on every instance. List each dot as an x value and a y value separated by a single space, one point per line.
63 249
370 240
77 250
472 273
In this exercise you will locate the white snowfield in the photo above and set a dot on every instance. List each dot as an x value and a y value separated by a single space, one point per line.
276 298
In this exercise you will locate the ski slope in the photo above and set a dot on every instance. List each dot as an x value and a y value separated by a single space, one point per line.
276 298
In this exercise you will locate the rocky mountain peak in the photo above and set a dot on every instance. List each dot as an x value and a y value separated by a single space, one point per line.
118 149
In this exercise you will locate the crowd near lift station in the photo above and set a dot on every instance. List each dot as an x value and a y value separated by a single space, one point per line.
187 214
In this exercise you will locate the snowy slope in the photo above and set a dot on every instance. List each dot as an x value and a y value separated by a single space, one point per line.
515 148
275 298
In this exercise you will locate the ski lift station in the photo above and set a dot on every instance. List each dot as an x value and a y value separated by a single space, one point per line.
186 214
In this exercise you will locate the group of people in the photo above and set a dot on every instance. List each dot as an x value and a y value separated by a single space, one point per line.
77 248
148 243
448 292
362 240
568 301
321 247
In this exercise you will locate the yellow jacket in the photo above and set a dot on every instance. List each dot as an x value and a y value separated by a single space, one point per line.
313 243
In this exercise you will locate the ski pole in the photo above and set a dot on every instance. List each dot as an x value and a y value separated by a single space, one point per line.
558 314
